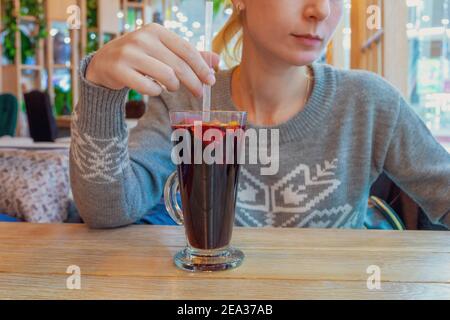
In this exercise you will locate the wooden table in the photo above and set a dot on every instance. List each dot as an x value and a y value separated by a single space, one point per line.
136 263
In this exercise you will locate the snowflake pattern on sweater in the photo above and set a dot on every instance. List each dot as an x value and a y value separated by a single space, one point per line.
99 161
291 200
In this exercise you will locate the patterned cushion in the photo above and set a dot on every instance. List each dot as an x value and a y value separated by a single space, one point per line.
34 186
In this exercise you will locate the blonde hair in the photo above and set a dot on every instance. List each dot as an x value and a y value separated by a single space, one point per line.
228 42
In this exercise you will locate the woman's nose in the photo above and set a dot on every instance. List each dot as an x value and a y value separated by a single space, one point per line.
317 9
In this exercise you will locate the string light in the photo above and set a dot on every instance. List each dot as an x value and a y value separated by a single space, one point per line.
188 31
54 32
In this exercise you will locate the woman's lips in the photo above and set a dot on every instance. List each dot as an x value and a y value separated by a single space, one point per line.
308 40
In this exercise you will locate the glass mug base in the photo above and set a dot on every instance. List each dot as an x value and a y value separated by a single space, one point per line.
194 260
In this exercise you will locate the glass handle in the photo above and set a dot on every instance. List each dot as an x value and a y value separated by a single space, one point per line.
170 199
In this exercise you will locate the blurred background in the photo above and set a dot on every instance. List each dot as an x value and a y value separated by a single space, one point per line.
407 42
43 41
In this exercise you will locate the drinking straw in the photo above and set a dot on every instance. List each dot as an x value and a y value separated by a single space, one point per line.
209 11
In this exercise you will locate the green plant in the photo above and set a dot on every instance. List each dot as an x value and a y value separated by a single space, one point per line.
92 13
218 5
35 8
134 96
92 40
29 42
63 101
92 43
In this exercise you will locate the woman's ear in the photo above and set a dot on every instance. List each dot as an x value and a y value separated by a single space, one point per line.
239 5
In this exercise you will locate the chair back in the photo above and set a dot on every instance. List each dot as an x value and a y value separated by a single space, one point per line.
40 117
9 110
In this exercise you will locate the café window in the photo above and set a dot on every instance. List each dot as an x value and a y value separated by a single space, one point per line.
429 64
414 57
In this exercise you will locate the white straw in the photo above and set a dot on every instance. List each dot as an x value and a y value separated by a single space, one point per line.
209 12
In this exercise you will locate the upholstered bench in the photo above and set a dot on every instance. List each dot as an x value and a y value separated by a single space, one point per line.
35 187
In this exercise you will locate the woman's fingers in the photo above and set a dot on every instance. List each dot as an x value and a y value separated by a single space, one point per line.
167 76
187 52
140 83
183 71
155 58
155 52
157 70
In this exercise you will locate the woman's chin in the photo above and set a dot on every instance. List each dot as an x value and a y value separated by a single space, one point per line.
304 58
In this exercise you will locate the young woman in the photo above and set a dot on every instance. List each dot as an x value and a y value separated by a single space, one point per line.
339 130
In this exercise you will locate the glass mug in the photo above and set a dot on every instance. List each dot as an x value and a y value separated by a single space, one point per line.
208 189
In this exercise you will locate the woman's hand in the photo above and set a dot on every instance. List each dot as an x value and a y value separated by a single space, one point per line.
148 58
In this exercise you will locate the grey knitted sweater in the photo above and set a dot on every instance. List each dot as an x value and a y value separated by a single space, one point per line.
354 127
